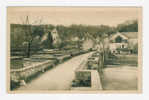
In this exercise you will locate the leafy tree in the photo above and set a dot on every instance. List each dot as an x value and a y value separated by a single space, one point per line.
128 26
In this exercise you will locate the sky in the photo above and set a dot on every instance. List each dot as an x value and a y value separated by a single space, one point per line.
111 16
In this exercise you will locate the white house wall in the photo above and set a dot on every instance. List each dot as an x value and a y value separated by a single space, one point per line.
114 46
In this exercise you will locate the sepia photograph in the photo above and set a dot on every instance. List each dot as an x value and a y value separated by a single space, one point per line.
77 49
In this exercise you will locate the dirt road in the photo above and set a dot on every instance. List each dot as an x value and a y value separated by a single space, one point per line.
58 78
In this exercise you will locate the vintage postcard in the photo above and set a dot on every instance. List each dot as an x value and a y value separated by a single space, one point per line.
74 49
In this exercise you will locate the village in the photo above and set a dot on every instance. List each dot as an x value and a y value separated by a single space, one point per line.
74 49
53 62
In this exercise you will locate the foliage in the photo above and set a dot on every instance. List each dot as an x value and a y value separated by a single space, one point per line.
22 35
135 49
128 26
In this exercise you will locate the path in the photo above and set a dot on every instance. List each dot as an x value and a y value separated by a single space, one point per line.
58 78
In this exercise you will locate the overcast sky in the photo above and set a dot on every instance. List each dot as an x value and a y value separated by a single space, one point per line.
72 15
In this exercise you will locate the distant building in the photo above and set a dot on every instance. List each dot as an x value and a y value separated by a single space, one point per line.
123 42
55 36
51 38
88 42
75 38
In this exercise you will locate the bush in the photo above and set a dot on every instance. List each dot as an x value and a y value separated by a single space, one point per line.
135 49
14 84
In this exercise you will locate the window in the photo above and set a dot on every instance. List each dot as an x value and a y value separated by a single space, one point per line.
122 46
118 39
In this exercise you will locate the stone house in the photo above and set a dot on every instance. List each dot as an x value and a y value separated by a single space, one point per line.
56 40
123 42
55 36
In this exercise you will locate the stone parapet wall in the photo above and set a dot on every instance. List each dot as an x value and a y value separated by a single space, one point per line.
24 73
33 68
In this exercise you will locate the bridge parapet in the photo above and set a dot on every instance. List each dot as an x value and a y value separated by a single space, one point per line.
31 67
91 80
27 72
88 74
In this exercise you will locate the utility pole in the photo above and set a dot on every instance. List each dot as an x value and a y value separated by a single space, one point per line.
28 36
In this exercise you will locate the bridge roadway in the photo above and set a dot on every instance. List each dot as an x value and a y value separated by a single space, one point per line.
58 78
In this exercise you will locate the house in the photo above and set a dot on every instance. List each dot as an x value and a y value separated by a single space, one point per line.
55 36
123 42
88 42
55 39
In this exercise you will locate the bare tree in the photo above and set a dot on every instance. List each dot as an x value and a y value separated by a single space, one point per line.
29 34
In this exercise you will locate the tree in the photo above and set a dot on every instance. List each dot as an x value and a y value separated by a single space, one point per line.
49 42
30 33
128 26
135 49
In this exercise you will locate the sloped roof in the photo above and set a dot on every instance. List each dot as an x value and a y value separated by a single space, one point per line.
130 35
118 34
